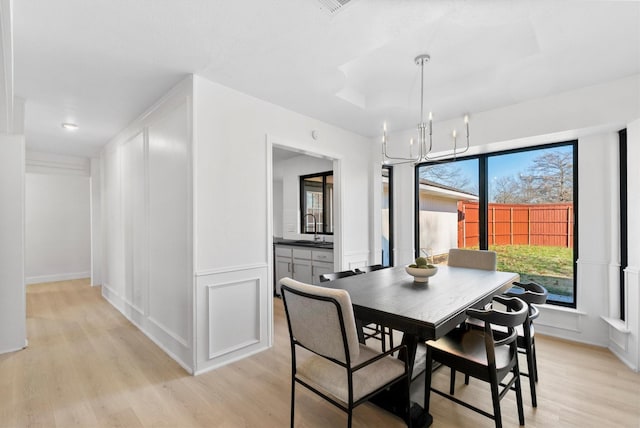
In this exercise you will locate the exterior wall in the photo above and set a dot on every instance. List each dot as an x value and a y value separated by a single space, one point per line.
438 225
592 115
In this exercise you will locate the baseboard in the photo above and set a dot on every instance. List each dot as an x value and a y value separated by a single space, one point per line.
162 338
6 351
57 277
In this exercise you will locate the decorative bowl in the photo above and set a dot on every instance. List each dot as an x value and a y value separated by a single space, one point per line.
421 275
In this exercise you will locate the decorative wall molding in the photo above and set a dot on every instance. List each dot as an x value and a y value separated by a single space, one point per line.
245 295
175 336
238 296
229 269
48 163
156 333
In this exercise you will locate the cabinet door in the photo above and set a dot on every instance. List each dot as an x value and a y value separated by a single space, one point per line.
320 269
283 269
302 271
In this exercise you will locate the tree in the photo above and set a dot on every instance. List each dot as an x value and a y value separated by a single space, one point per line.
449 174
549 179
507 190
552 176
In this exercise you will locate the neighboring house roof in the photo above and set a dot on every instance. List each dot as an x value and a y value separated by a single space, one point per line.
432 188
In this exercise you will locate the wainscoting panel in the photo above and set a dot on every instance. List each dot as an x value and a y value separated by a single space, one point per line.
356 259
233 315
226 301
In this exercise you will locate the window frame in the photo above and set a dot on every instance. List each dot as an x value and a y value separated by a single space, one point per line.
389 169
624 231
325 198
483 188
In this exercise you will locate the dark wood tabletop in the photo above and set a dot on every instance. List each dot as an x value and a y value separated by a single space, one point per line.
421 311
428 311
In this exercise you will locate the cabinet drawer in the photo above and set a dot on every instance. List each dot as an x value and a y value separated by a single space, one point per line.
301 254
283 251
323 256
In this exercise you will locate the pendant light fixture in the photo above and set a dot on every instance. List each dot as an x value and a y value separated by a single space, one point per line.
424 128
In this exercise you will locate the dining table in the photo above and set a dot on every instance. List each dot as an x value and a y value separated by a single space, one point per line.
421 311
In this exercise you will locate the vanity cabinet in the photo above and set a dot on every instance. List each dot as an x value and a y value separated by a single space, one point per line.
302 264
321 263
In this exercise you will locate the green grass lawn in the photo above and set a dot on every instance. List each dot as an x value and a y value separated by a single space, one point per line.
551 267
535 260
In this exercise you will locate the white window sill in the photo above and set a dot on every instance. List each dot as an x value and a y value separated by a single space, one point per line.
619 325
564 309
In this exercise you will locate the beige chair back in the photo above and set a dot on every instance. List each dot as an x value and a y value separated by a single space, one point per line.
474 259
314 319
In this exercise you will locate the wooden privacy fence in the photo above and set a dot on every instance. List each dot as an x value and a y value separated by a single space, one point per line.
517 224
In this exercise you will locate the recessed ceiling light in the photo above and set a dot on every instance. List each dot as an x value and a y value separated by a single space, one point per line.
70 126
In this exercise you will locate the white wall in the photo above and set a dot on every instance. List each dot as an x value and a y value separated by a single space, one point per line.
13 333
233 137
593 115
147 223
625 336
438 224
96 222
57 227
278 204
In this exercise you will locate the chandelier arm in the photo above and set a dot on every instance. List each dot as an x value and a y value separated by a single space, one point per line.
449 153
424 154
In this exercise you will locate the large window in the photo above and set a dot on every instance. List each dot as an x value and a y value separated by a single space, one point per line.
520 203
387 216
316 203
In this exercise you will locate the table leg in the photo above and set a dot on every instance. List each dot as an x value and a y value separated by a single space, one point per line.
359 328
394 399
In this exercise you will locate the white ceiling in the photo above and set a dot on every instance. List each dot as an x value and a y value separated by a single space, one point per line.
101 63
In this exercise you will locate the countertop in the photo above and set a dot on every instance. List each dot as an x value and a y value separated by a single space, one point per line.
304 243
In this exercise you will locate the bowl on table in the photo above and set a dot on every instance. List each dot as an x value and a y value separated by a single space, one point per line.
421 274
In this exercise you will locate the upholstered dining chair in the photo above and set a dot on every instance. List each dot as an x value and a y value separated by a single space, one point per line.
475 259
370 331
367 269
339 368
479 354
325 277
376 331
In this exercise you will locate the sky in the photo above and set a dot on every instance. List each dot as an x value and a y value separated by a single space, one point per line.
506 165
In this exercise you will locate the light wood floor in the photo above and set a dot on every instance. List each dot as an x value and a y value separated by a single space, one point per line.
86 366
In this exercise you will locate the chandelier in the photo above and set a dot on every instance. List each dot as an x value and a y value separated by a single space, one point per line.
424 154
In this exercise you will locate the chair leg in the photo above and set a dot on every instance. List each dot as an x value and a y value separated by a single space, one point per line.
532 373
535 359
452 382
383 339
349 417
293 400
466 379
427 379
408 403
516 372
495 398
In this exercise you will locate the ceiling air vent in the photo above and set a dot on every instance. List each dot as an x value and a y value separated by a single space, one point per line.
333 6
